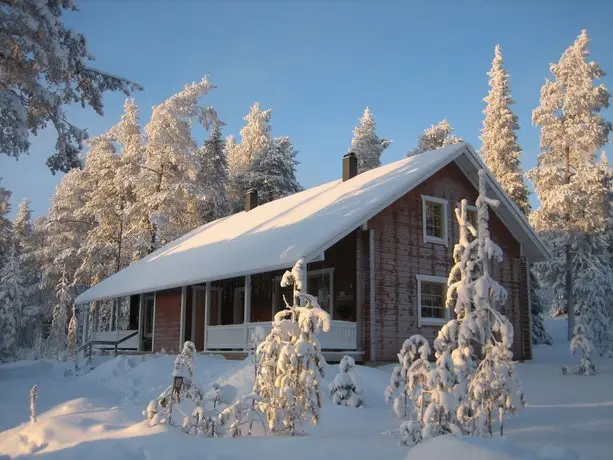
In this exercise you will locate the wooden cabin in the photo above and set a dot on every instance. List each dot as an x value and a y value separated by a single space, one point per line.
378 245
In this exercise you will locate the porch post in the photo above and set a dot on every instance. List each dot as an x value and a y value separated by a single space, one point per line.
373 316
141 317
96 319
85 312
247 311
182 320
207 311
305 277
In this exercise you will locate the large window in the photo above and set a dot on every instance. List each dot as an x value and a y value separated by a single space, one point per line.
431 293
434 219
320 283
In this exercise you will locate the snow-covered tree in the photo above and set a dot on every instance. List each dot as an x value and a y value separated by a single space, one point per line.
12 297
291 364
345 389
45 66
500 150
366 145
537 309
256 140
159 410
435 137
572 131
5 223
494 388
166 189
273 172
582 343
212 177
57 336
130 170
71 338
408 390
300 368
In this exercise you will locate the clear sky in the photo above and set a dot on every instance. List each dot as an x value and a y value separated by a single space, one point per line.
317 64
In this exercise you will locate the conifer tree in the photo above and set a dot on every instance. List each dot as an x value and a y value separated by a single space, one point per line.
572 131
5 223
366 145
500 150
12 298
435 137
212 176
273 173
57 336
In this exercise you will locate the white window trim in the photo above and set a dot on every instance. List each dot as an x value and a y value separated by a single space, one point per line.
445 224
430 321
277 283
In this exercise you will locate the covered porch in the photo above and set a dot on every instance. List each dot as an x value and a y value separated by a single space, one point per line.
220 316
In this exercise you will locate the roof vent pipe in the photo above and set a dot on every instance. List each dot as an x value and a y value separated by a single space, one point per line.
350 166
251 199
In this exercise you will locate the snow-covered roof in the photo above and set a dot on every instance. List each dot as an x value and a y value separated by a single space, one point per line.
274 235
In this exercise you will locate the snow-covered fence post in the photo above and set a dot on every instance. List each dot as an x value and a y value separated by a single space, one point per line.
33 396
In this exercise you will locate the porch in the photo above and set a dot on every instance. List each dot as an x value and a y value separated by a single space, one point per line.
220 316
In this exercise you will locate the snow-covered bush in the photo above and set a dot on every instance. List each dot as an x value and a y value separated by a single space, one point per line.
159 411
345 389
207 418
408 389
244 411
581 343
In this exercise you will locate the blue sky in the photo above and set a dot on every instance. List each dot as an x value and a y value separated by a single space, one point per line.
317 64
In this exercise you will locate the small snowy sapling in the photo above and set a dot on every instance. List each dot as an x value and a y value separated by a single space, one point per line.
581 343
345 389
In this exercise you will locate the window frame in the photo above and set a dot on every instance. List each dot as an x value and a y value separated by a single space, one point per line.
277 286
425 199
421 321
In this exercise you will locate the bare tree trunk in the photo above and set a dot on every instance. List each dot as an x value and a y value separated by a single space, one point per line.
570 307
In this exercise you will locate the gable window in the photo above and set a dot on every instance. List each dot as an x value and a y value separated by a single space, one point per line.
434 219
320 283
431 294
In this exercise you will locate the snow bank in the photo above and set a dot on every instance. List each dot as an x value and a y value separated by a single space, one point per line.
470 448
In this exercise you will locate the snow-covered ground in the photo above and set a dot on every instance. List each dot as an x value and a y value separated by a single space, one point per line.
98 415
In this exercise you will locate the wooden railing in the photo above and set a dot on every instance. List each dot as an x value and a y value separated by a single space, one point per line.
110 343
341 336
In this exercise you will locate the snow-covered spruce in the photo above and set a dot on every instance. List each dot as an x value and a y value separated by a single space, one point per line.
495 387
408 389
291 364
12 298
57 336
71 338
435 137
345 389
366 145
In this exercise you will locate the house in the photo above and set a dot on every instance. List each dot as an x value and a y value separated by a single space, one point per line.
378 246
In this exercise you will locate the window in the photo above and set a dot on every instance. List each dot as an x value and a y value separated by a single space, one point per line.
471 213
434 219
320 284
431 293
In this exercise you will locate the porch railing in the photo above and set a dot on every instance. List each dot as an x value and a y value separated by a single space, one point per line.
341 336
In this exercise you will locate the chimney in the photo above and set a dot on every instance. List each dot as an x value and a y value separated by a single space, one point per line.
251 199
350 166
